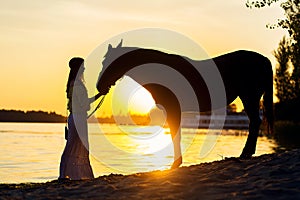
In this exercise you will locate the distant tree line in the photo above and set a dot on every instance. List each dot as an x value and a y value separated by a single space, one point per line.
136 119
41 116
30 116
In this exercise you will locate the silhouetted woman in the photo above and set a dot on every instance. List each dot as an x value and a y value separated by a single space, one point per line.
75 162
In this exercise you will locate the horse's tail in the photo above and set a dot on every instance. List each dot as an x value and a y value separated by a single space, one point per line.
268 97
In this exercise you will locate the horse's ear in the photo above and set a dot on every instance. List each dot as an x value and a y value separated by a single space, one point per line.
120 44
109 47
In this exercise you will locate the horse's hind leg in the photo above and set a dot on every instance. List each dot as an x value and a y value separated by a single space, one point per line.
251 107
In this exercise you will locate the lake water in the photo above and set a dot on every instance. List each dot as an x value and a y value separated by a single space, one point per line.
31 152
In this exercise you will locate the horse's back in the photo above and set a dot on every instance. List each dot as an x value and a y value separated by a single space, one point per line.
241 59
243 71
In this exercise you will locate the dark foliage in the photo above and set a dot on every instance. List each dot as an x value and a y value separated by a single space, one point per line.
288 56
283 80
288 110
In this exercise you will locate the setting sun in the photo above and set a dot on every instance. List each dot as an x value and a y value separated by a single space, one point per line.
140 102
128 97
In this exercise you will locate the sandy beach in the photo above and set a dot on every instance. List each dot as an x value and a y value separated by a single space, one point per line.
270 176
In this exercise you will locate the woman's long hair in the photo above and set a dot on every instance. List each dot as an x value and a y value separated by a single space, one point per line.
74 65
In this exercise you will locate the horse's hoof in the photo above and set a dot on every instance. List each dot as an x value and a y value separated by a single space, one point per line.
245 156
233 159
176 163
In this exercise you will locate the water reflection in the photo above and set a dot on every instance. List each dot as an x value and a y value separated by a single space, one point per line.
142 150
31 152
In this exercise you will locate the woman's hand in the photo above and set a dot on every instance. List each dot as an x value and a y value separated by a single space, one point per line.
94 98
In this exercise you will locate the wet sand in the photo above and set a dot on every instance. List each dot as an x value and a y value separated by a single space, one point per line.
272 176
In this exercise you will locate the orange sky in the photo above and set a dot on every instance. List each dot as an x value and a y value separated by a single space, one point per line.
39 37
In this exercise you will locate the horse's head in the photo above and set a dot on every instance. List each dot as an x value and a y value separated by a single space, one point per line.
110 73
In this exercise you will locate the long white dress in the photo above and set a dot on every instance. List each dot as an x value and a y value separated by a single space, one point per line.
75 162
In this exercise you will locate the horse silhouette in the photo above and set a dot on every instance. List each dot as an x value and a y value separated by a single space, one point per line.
245 74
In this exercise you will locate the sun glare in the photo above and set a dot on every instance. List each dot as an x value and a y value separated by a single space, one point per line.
144 139
141 102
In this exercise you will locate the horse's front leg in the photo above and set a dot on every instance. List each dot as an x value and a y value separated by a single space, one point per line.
176 139
172 109
164 97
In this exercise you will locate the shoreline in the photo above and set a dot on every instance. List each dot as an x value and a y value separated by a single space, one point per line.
267 176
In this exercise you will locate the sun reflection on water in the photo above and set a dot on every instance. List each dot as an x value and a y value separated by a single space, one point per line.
141 140
148 148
